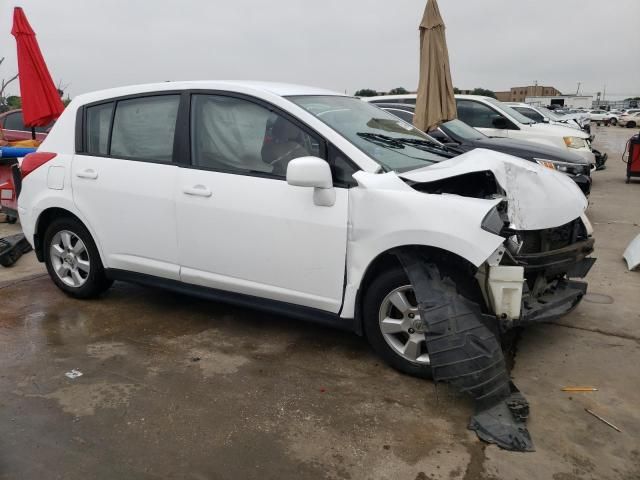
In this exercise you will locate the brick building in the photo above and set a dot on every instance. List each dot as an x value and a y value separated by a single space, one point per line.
518 94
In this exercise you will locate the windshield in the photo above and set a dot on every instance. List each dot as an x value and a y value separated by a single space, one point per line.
459 129
520 118
394 144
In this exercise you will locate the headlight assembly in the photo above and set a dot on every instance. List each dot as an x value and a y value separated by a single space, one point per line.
574 142
563 167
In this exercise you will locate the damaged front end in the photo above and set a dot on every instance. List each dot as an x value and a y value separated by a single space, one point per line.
532 277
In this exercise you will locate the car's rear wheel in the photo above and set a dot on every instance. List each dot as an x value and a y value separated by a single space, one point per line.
72 259
393 326
631 124
613 121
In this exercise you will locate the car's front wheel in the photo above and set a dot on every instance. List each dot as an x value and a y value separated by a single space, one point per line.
613 121
393 326
631 124
72 259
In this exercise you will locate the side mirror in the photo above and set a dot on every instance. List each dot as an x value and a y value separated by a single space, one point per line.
313 172
500 123
545 120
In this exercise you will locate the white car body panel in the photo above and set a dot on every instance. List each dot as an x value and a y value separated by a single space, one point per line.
262 237
271 240
528 186
385 212
131 211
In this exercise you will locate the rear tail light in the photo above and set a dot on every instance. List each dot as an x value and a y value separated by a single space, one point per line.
35 160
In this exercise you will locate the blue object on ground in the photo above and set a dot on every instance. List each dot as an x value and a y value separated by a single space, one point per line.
15 152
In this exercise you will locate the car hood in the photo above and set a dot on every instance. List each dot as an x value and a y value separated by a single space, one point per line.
537 197
554 130
522 148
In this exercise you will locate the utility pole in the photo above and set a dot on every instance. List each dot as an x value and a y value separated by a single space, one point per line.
578 90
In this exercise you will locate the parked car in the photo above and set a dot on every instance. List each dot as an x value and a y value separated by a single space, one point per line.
629 120
602 116
299 201
13 128
495 119
581 117
544 115
464 138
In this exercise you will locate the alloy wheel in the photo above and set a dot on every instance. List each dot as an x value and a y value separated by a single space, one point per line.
401 325
70 258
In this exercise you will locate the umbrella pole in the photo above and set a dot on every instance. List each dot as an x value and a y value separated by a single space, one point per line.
33 133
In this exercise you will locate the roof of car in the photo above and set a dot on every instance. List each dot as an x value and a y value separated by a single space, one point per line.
274 88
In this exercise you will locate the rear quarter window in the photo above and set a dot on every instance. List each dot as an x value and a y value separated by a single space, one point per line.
98 124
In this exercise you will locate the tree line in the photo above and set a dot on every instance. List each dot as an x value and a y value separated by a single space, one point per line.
370 92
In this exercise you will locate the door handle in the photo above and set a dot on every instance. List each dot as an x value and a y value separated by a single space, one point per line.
197 191
88 173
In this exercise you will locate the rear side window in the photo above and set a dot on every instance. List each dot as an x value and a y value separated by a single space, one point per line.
476 114
532 114
98 124
144 128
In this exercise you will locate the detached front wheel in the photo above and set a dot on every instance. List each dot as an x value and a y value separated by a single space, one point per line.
72 259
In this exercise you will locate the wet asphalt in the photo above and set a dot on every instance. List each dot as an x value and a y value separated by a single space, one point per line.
176 387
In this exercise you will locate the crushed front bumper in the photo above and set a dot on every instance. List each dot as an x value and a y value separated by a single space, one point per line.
552 262
560 300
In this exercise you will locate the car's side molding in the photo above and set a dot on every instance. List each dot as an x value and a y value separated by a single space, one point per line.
267 305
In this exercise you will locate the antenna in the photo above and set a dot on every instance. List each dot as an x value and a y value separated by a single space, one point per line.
578 90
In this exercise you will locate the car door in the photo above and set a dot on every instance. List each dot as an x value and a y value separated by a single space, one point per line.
484 118
123 181
241 227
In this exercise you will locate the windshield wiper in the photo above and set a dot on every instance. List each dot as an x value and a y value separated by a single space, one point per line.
414 142
400 143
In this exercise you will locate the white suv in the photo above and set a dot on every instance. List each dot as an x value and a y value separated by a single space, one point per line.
496 119
299 201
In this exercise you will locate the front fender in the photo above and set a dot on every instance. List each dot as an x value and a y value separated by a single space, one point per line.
383 219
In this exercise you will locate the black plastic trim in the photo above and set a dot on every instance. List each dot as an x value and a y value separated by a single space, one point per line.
272 306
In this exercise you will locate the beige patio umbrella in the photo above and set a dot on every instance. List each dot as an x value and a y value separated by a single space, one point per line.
435 103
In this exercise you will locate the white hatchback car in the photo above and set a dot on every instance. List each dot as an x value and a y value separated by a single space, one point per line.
299 201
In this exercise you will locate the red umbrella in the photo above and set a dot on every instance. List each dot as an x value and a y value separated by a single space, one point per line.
41 102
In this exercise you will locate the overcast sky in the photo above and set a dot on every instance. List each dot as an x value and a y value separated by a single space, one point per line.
336 44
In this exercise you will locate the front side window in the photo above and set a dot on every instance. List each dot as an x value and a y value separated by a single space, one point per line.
389 141
97 127
144 128
236 135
